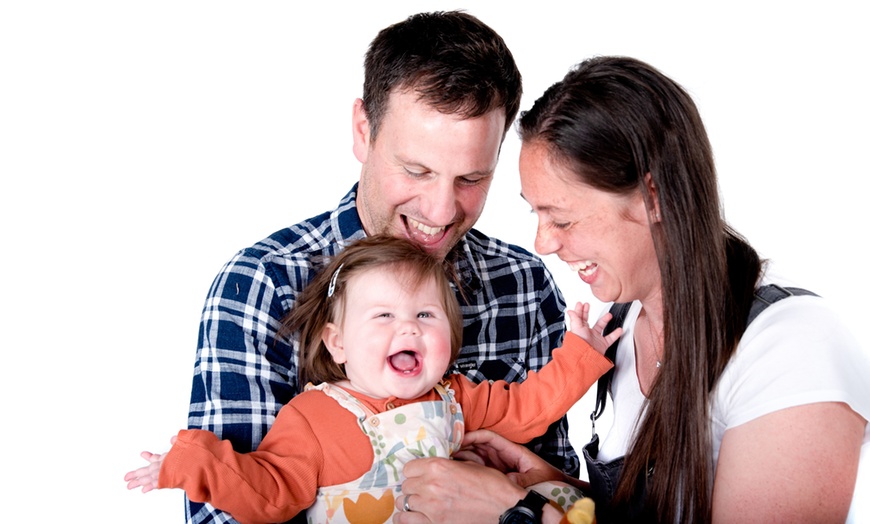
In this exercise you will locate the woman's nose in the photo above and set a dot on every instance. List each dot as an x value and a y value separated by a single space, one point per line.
545 241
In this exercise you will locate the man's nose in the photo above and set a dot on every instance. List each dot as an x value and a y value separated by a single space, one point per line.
439 200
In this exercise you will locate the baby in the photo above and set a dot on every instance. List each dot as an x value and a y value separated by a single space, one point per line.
377 328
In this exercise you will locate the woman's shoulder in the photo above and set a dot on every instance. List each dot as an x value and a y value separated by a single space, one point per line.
792 315
796 351
791 328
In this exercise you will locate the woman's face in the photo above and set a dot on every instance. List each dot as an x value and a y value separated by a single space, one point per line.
604 237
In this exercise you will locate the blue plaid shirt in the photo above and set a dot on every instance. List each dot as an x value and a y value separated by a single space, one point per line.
244 373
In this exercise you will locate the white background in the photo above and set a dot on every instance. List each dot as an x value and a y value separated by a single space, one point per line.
143 143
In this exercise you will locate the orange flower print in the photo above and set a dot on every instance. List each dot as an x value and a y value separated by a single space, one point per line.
369 510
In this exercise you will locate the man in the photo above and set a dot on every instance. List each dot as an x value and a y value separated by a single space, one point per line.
441 90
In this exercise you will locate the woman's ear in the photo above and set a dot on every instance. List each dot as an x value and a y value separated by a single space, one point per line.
655 214
332 339
361 131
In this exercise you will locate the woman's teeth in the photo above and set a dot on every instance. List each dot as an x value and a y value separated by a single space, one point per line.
584 267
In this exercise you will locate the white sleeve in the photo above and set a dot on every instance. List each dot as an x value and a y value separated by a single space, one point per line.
796 352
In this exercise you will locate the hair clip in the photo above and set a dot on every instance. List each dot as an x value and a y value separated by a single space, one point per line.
332 281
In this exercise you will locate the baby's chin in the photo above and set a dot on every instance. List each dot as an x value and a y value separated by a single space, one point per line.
410 391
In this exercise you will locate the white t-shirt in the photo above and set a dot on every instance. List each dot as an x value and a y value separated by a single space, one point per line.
796 352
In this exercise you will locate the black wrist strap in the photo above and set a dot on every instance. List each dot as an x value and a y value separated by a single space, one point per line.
529 510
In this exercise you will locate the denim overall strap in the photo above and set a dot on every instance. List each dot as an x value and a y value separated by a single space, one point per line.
604 476
618 312
767 295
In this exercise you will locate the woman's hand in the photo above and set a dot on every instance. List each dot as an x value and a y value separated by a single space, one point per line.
520 465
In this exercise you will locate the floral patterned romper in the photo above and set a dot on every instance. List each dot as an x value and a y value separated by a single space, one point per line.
420 429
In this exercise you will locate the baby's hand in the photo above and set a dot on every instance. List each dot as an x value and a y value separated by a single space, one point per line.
578 323
146 477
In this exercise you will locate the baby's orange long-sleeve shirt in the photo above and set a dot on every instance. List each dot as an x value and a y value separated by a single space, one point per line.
316 442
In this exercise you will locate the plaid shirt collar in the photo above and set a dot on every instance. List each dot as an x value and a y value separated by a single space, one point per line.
348 228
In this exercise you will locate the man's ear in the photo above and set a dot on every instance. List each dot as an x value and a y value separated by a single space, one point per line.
655 214
332 339
361 131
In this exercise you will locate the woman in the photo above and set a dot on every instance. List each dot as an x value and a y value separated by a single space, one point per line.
718 420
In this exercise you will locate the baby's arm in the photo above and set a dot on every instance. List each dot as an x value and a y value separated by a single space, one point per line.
523 410
146 477
578 323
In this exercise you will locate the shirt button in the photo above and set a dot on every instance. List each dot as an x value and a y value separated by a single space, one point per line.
374 421
390 405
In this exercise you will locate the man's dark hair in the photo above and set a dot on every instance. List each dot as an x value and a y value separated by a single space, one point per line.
453 61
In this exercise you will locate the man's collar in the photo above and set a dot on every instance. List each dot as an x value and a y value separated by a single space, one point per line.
348 227
460 257
345 219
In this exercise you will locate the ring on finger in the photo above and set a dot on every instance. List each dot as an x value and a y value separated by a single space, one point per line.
405 505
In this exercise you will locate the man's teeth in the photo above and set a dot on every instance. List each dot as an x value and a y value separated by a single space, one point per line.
423 228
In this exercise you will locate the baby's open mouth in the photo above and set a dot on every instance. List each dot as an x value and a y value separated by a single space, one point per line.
404 361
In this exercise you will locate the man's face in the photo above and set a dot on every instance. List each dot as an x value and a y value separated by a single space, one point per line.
426 175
